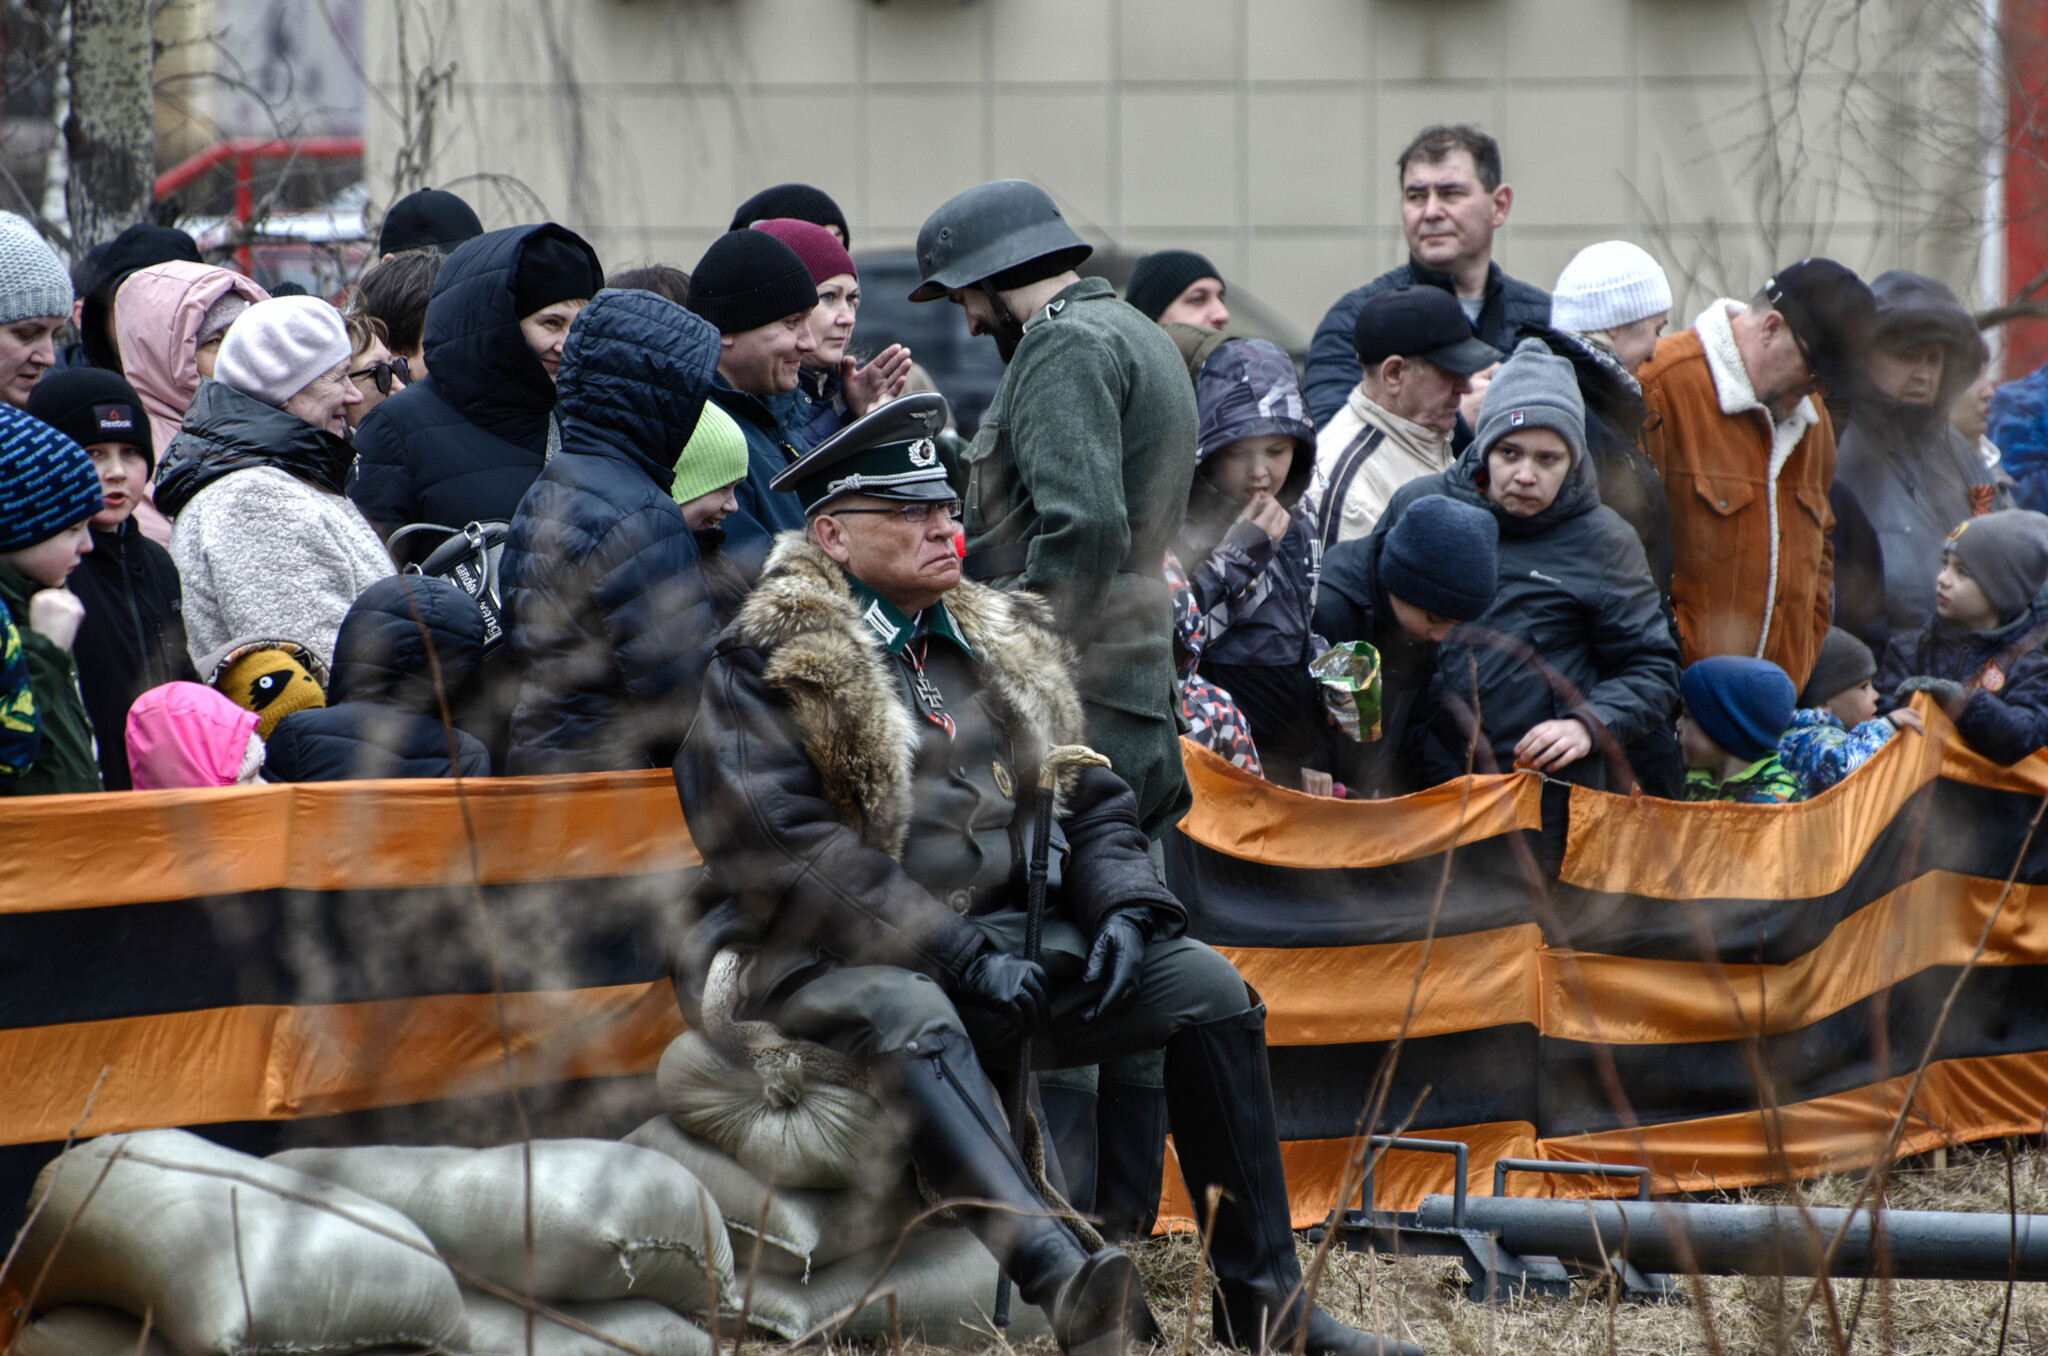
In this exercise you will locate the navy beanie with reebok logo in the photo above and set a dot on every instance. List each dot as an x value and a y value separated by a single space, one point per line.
92 405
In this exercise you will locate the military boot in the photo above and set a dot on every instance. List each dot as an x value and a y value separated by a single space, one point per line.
957 1139
1219 1096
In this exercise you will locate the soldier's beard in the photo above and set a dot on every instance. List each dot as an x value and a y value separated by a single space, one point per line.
1007 331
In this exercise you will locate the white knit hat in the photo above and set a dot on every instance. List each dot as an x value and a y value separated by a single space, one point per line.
1606 286
32 278
276 348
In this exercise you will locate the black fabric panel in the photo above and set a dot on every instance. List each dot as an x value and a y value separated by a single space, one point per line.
304 947
2001 1010
1469 1078
1945 826
1238 903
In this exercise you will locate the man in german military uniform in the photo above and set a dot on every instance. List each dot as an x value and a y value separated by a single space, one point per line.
1078 478
861 780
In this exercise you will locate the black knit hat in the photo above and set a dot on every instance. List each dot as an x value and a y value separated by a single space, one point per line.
143 245
552 269
1160 277
1843 663
1443 557
748 279
800 201
428 216
92 405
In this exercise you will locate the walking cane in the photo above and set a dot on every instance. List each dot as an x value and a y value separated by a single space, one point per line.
1034 933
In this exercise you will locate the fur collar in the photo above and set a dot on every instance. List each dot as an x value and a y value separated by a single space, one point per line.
845 700
1732 386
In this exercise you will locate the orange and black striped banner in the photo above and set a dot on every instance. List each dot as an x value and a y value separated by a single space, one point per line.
1730 994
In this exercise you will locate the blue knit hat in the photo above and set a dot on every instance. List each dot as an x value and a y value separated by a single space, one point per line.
46 481
1742 704
1440 556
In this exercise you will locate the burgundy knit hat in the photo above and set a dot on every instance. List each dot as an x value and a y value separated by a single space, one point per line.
820 250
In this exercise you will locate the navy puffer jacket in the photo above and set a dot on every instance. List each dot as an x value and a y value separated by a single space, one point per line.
383 715
614 603
463 443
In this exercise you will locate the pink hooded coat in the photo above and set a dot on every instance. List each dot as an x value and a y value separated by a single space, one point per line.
157 314
186 734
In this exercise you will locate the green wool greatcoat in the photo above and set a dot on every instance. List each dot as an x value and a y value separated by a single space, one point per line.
1084 460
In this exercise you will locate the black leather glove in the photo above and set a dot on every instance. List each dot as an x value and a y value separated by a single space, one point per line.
1009 985
1945 691
1117 958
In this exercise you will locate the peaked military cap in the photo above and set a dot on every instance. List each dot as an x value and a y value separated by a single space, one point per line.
890 453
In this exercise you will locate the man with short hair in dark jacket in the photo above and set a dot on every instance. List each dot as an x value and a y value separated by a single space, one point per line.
1452 202
383 712
463 443
613 615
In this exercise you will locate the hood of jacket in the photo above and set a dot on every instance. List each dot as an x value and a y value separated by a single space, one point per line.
634 378
1912 310
226 431
1196 343
1247 388
156 320
1577 496
478 360
187 734
380 654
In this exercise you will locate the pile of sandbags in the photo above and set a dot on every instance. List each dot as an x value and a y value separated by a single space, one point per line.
335 1251
813 1184
228 1256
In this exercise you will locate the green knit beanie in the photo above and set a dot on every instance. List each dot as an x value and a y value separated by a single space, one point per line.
714 458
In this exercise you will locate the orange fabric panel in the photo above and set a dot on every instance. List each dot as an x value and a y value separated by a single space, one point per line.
277 1063
1336 995
1961 1101
1932 920
1256 821
335 836
1716 850
1316 1167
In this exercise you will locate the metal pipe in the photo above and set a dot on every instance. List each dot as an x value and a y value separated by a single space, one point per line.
1758 1240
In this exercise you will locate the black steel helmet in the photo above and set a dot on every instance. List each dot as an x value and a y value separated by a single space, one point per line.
992 229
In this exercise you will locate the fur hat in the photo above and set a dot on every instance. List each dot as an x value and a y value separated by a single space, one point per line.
273 678
276 348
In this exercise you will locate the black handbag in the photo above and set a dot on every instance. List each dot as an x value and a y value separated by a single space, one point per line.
468 559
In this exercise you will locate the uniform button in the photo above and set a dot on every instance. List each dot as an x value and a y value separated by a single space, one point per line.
1724 503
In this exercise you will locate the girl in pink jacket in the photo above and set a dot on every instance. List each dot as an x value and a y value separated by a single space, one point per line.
187 734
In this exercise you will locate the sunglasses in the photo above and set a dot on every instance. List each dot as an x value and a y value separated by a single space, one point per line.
381 374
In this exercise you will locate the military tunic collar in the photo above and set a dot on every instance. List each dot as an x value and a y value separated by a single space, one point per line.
894 630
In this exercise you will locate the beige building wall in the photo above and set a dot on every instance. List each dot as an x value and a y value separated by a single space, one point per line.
1261 132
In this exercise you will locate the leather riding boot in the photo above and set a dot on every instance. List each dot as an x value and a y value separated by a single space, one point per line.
958 1141
1219 1096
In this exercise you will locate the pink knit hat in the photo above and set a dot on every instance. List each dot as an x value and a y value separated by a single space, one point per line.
817 246
187 734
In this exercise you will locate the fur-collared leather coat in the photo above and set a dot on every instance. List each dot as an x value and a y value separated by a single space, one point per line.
797 783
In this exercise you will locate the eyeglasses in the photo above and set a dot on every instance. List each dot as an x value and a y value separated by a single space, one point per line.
381 374
916 514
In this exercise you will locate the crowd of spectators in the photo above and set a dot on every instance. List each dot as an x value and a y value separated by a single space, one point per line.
491 511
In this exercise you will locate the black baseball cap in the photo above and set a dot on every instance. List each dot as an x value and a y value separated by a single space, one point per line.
1420 322
1832 315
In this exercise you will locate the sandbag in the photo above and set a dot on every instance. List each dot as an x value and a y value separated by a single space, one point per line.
89 1330
610 1220
797 1230
945 1284
497 1327
321 1269
787 1129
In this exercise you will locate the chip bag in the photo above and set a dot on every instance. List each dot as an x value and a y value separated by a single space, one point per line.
1349 676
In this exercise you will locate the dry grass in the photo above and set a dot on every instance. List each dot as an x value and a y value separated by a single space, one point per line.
1422 1299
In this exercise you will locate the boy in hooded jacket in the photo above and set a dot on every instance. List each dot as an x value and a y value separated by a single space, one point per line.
1980 655
382 717
1574 660
1243 567
1836 728
48 493
133 636
613 615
